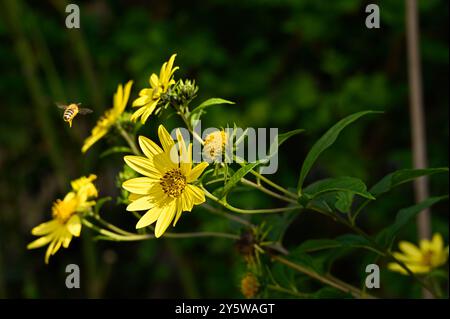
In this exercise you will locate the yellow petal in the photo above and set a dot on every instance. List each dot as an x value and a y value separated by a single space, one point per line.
126 96
185 154
148 147
143 166
397 268
45 228
143 203
149 217
49 250
67 239
136 114
142 100
187 200
437 243
179 211
196 172
139 185
164 220
40 242
410 250
118 96
73 225
166 141
196 193
153 80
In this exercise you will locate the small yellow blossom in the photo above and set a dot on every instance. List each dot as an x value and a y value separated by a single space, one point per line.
149 97
422 259
215 144
110 117
249 286
166 190
66 221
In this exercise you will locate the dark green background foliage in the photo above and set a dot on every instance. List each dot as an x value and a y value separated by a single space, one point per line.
287 64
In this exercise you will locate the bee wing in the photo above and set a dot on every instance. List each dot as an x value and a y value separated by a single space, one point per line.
61 105
84 111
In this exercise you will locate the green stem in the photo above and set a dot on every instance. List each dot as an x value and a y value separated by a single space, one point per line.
274 185
128 139
267 191
288 291
169 235
247 211
235 218
326 279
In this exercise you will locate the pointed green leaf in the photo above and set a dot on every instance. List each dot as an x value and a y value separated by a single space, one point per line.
339 184
387 236
325 142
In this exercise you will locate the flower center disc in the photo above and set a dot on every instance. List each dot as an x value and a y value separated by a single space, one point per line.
173 183
63 210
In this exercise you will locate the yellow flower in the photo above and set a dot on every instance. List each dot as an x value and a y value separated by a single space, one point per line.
215 145
249 286
166 190
110 116
84 186
66 221
149 97
422 259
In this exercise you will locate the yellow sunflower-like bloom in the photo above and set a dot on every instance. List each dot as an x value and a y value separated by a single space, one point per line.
166 190
66 221
110 117
214 146
149 97
422 259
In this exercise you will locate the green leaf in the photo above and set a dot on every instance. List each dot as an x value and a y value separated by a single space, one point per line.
244 170
318 244
387 236
116 149
339 184
402 176
197 112
344 201
325 142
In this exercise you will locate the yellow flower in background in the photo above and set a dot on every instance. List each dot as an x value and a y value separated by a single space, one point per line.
422 259
66 221
110 117
84 186
214 145
149 97
165 191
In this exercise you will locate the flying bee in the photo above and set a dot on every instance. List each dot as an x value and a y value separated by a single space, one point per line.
71 110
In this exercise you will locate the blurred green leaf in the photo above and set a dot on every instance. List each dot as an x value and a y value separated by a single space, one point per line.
402 176
339 184
387 236
199 110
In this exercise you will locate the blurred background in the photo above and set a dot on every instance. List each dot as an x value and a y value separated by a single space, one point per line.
287 64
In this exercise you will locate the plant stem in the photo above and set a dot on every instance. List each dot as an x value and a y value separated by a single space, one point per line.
137 237
128 139
267 191
326 279
235 218
248 211
288 291
274 185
